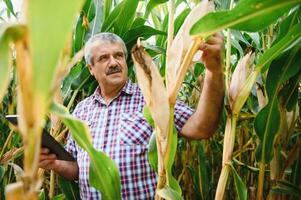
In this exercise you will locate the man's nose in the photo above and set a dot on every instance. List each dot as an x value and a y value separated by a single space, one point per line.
113 61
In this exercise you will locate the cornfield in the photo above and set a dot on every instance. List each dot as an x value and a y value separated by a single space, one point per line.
254 154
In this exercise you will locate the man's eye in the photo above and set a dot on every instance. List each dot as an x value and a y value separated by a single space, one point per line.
102 58
120 55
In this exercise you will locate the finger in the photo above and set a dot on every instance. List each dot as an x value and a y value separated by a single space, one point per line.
48 157
45 163
212 51
45 150
215 40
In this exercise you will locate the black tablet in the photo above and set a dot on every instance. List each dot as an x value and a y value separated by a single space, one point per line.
47 142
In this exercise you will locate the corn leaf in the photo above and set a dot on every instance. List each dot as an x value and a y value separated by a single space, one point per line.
10 7
268 119
2 172
240 186
284 187
69 188
107 7
103 173
153 153
111 19
145 32
248 15
151 4
47 40
8 34
293 35
88 12
125 18
169 194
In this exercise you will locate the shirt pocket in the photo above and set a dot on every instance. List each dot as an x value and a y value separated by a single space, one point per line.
134 129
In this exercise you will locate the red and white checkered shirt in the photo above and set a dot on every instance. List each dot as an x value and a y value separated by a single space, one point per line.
120 130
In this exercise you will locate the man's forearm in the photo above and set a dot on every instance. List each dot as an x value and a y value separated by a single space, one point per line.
67 169
203 123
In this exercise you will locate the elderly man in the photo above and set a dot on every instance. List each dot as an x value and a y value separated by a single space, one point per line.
114 115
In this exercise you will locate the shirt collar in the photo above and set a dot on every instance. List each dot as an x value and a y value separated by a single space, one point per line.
128 89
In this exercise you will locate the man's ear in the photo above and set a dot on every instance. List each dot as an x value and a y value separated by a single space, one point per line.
90 69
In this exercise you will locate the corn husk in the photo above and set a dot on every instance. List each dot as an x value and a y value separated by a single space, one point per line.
153 89
239 77
182 42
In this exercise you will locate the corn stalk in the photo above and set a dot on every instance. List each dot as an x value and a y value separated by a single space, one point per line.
161 99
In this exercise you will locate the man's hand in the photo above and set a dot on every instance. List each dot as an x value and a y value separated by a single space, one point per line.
213 52
48 160
67 169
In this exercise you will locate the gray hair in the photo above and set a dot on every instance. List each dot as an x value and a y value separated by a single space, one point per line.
100 38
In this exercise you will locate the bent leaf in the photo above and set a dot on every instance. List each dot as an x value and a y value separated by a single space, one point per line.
8 34
248 15
103 173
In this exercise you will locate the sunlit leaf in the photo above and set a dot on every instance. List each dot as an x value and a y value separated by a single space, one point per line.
247 15
47 40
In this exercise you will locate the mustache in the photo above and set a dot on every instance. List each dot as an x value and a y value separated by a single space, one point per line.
114 69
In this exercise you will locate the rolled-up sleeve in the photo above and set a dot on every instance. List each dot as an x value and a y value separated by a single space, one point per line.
181 114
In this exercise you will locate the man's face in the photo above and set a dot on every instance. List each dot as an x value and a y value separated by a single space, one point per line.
109 65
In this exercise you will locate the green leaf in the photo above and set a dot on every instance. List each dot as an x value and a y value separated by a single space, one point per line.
111 19
203 172
69 188
2 172
47 40
284 187
248 15
148 116
180 20
169 194
268 119
103 173
151 4
59 197
107 7
286 24
8 34
171 153
293 35
152 152
10 7
145 32
81 31
125 18
240 186
42 195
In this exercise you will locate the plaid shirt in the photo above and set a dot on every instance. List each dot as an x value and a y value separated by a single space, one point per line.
120 130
